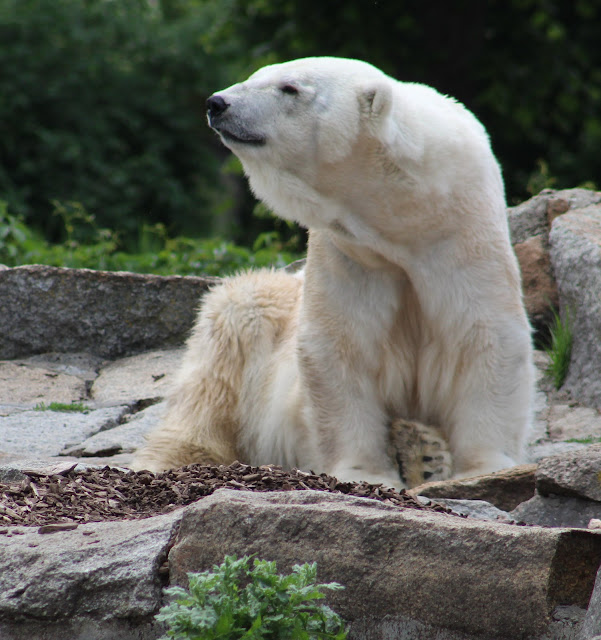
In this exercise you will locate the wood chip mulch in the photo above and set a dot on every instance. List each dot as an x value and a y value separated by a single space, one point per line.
72 497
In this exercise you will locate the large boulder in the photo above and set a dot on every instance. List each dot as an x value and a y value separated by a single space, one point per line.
529 225
98 581
107 314
406 572
568 490
576 256
535 216
572 474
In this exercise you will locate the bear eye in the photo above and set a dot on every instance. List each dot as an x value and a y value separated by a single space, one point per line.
290 89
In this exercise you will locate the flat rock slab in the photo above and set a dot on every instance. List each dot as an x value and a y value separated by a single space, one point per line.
24 384
124 438
141 377
572 474
47 433
105 313
504 489
469 577
557 511
578 424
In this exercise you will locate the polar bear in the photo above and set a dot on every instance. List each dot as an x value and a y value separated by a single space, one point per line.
409 310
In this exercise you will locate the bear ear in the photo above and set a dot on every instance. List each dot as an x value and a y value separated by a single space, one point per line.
375 99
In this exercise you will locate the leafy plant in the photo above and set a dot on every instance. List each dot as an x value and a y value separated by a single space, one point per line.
560 350
61 406
103 103
235 602
86 245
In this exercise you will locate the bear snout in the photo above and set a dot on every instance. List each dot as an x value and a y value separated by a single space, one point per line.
216 105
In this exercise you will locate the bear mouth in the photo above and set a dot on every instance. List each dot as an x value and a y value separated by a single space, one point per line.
240 138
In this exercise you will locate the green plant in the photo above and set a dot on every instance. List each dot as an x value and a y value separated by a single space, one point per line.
103 103
86 245
14 235
586 440
235 602
61 406
560 350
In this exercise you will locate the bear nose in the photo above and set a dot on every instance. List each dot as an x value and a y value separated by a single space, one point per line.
216 105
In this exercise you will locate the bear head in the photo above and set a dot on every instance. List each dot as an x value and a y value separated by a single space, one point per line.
289 121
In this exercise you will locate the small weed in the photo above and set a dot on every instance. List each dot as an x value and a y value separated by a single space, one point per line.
587 440
560 350
61 406
235 602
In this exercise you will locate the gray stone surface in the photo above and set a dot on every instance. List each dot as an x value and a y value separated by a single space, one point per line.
591 628
533 217
144 376
557 511
24 384
117 393
477 509
504 489
528 219
47 433
124 438
575 240
574 423
541 450
106 573
467 576
572 474
108 314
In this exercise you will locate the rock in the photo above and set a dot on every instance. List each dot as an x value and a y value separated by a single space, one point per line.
542 450
103 313
575 240
141 377
47 433
538 283
578 424
24 384
91 582
477 509
556 511
572 474
400 567
124 438
504 489
528 218
81 365
591 628
535 216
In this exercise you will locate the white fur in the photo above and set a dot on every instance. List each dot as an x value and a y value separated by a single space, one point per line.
410 304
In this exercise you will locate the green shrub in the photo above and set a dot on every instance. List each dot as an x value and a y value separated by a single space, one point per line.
102 102
235 602
88 246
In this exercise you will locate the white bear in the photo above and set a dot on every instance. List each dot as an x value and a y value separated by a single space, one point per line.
409 307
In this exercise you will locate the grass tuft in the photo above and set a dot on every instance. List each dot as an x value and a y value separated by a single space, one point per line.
62 406
560 350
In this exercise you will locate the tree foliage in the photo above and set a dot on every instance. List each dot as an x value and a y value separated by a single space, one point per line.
530 69
102 101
